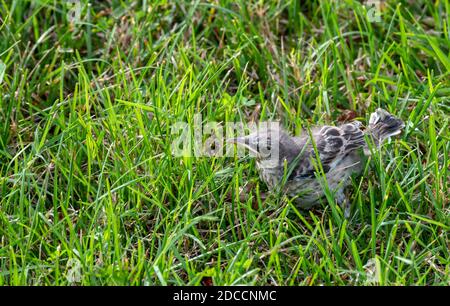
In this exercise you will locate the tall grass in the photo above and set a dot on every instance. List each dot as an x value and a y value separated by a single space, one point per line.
91 194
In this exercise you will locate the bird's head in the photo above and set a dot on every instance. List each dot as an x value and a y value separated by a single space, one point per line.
268 145
260 144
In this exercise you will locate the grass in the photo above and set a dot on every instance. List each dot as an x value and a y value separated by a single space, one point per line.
90 193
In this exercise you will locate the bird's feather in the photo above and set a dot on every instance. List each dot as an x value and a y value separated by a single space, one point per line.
336 147
333 143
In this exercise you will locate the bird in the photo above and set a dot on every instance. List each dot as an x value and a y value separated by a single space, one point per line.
294 164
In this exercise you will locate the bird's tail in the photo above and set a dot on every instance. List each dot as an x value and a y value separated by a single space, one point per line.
383 125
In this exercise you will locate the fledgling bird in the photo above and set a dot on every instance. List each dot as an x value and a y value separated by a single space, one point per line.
291 162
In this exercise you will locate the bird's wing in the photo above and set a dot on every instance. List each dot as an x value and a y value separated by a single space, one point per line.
333 143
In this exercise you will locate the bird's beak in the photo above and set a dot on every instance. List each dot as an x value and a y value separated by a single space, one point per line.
242 142
237 140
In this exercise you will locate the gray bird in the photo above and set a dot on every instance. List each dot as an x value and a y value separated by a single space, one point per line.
292 162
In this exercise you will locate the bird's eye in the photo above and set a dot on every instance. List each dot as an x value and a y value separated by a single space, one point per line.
264 144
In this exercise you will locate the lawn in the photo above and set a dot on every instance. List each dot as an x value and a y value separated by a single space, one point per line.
92 194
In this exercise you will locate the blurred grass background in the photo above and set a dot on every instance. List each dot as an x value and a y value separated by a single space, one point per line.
90 193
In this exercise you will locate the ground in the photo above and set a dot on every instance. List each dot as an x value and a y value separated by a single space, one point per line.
91 192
